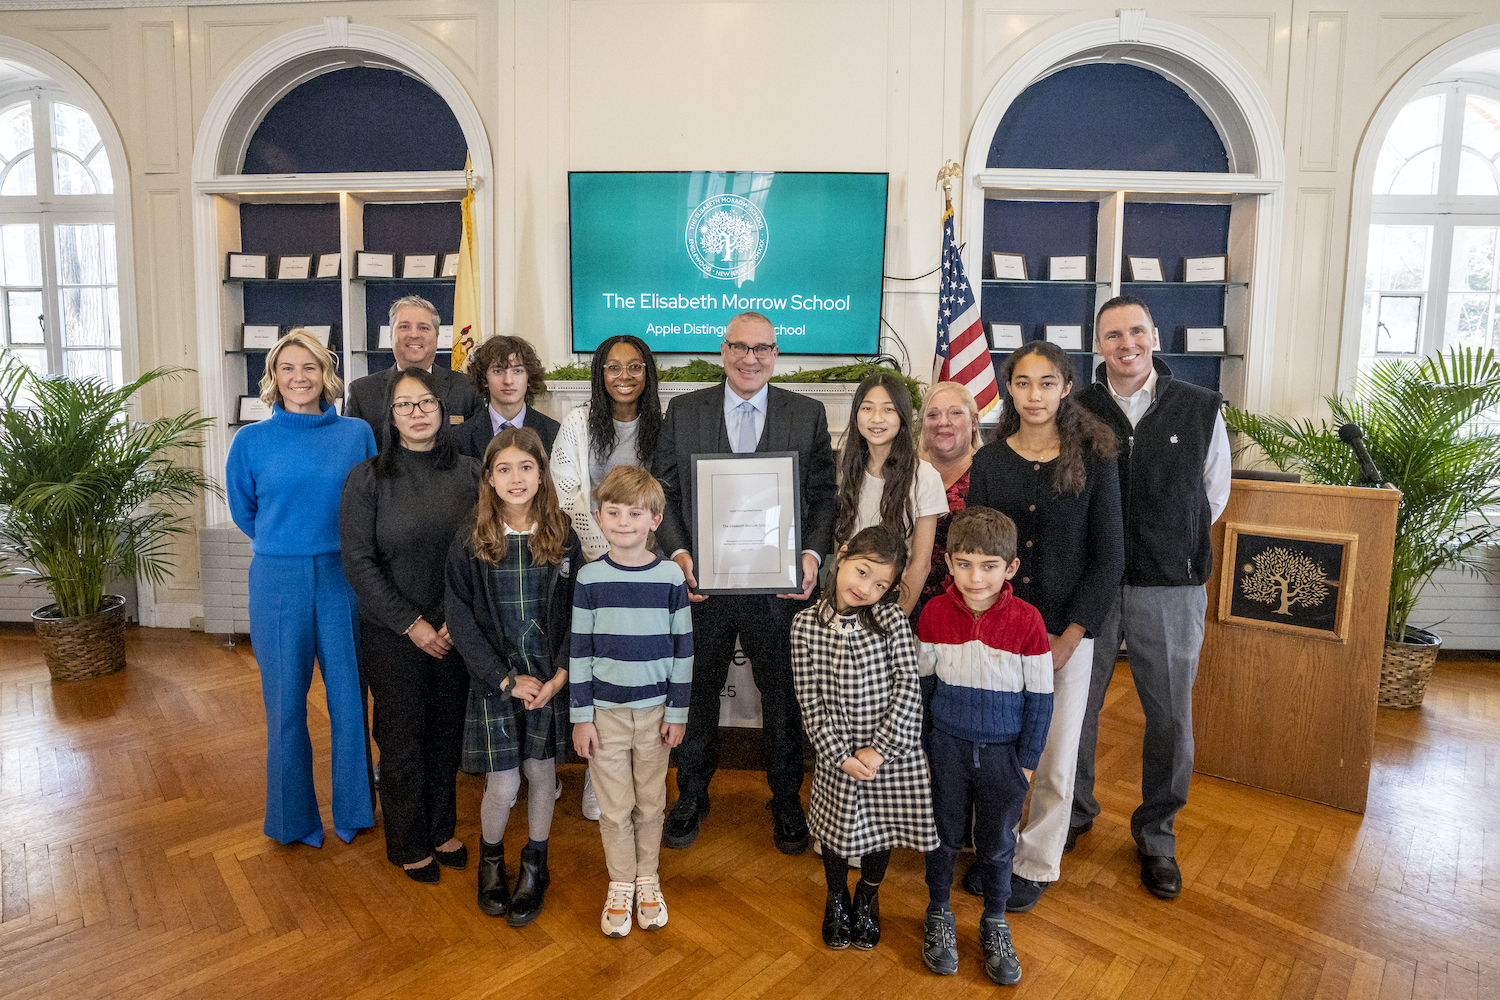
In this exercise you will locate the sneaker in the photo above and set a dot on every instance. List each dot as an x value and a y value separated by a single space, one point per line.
590 802
615 921
1000 962
940 942
650 908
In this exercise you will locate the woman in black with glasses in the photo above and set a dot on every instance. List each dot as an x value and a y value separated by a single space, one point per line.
398 516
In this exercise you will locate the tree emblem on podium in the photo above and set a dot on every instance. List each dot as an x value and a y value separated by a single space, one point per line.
1279 576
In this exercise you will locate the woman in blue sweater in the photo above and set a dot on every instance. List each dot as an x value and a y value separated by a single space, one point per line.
284 478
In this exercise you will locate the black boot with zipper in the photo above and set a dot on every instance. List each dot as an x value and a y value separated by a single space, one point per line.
531 887
494 884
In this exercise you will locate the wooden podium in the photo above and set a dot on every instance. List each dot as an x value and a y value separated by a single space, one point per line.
1288 677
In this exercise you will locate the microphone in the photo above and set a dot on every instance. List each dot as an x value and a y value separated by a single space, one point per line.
1351 435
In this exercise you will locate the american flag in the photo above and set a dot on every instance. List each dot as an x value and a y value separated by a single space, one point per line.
963 354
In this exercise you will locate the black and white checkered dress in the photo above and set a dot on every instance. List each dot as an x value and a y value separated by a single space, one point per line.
859 689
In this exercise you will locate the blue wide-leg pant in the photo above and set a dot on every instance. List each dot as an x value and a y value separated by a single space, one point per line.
302 608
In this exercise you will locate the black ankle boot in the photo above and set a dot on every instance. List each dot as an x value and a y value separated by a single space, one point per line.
494 884
836 919
531 887
864 922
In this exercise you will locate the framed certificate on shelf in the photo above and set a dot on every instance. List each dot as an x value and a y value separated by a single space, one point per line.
249 265
321 332
328 264
450 265
1006 336
1205 268
445 338
292 266
1069 338
1008 266
419 265
1204 339
384 339
747 538
259 336
1068 268
252 409
374 265
1145 268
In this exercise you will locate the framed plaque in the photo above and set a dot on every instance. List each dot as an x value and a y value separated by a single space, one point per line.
321 332
746 532
1205 268
252 409
1067 269
1145 268
1204 340
1006 336
450 265
1295 580
1069 338
259 336
419 265
383 341
374 265
445 337
249 265
1008 266
293 266
328 264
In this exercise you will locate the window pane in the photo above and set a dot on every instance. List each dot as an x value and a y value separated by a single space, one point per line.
70 177
1419 175
79 260
107 244
24 309
1400 324
83 317
1476 175
1473 260
73 130
1403 258
15 131
98 165
1418 127
105 364
1482 126
1468 320
112 316
35 360
21 178
22 249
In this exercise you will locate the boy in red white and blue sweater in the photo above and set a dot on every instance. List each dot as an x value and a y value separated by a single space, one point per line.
986 668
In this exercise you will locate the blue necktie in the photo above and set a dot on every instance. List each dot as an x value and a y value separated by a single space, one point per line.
747 429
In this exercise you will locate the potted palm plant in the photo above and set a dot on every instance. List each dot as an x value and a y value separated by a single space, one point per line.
87 496
1432 427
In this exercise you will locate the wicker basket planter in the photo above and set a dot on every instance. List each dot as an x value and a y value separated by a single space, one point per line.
1406 668
86 646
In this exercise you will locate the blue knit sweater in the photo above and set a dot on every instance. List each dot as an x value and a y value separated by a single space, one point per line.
285 475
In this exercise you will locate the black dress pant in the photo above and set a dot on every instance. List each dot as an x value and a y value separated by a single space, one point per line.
419 722
763 623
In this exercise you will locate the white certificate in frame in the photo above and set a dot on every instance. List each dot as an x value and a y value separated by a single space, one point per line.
249 265
384 339
328 264
321 332
1006 336
419 265
1205 268
747 532
1069 338
445 338
450 265
1068 268
252 409
374 265
1145 269
1204 339
259 336
293 266
1008 266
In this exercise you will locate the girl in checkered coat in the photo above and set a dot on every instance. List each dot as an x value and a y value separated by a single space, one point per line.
855 668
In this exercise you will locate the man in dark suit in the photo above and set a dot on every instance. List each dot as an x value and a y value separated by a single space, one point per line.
507 373
414 337
745 414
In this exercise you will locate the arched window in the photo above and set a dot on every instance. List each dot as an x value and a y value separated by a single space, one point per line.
59 294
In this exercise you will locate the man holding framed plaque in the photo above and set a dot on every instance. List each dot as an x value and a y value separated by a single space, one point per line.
785 486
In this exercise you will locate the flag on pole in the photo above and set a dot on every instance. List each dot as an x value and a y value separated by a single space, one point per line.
963 353
466 333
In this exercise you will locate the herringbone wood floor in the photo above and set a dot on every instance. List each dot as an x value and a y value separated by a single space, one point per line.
132 865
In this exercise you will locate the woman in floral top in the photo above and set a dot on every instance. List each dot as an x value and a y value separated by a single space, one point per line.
950 437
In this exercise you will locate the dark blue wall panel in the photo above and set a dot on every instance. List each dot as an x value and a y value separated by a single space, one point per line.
1041 229
419 227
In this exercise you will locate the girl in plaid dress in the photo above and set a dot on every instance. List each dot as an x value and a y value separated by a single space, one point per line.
855 669
509 606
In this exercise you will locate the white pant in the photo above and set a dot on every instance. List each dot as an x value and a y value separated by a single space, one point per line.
1040 842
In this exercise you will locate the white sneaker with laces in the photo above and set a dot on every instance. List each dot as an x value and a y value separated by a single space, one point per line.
650 908
590 802
615 921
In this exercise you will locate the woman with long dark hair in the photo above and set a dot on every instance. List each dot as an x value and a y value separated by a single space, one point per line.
882 481
399 513
1051 469
617 426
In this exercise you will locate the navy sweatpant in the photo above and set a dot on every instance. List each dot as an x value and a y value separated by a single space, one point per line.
984 780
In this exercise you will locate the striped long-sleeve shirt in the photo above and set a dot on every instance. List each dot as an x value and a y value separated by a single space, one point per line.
632 639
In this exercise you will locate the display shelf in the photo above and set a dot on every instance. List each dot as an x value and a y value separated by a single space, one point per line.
282 281
376 282
1040 283
1184 284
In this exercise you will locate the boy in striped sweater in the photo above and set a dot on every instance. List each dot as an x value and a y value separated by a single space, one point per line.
630 676
986 667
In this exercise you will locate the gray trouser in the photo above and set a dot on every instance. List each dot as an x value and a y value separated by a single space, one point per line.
1163 627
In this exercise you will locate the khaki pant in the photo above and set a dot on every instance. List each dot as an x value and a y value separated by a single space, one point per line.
629 771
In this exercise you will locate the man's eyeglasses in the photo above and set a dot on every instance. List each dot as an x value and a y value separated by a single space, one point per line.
426 404
761 351
635 370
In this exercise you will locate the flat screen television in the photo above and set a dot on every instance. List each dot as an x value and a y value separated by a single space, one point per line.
671 257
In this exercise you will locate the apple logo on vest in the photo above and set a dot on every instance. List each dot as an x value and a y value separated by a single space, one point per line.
1174 438
727 236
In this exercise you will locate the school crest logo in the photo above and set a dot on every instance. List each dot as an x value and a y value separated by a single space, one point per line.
727 236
